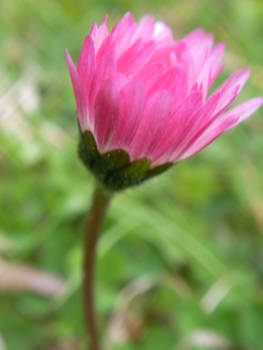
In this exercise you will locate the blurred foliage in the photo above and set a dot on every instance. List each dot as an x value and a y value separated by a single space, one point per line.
181 257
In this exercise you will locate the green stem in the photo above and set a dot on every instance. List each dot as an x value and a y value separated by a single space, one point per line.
96 216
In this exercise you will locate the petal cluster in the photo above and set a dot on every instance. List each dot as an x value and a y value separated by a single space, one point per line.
139 90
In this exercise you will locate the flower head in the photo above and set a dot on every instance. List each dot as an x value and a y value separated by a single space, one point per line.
142 97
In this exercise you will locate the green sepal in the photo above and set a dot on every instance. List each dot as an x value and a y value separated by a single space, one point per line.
114 168
159 169
115 159
88 151
130 175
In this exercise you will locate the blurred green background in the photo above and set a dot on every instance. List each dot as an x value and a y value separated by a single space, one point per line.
181 258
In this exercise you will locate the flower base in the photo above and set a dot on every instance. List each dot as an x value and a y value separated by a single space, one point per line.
114 168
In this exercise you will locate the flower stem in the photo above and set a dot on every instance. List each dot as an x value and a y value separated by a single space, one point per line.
96 215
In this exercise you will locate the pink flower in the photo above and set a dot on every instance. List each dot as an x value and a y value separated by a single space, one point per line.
138 90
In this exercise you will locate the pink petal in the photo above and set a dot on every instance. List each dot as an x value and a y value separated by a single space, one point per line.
177 127
195 37
150 74
135 57
132 101
243 110
79 94
207 138
195 125
120 80
106 113
122 33
125 23
162 54
215 61
204 120
107 48
144 29
200 40
233 84
178 53
105 69
169 54
156 115
93 30
200 44
86 65
163 34
98 35
220 100
224 122
174 80
211 68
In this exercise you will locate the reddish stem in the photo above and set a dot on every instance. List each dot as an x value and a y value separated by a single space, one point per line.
96 216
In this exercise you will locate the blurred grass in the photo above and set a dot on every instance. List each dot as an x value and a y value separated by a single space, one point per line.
181 258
